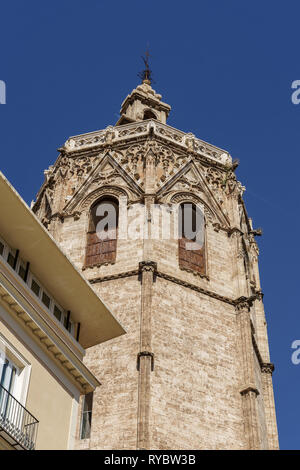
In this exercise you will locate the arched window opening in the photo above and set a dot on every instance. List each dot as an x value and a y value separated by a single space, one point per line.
191 238
148 114
102 234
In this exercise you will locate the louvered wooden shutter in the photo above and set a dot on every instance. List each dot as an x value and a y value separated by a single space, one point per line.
100 251
191 259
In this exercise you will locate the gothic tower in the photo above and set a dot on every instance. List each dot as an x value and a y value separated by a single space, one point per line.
193 370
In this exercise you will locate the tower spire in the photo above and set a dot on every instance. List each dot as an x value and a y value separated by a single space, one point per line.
144 103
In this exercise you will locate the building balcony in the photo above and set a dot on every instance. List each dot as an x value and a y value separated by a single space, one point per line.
18 427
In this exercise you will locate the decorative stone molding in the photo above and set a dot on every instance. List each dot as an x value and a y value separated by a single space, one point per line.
76 215
229 230
195 273
249 388
148 266
259 295
169 133
133 160
267 368
86 140
145 354
134 130
61 216
57 216
112 277
235 231
97 193
215 178
98 265
194 287
190 142
118 133
181 197
216 226
244 303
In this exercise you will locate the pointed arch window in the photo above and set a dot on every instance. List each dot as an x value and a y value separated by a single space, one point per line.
148 114
101 245
191 238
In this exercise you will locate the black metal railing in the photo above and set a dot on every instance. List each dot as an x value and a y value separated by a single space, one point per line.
20 425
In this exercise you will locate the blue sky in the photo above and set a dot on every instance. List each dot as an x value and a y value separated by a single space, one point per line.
226 69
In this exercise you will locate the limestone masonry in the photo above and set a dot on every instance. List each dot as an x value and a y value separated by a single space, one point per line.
193 370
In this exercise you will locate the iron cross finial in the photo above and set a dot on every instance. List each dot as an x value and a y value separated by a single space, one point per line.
146 74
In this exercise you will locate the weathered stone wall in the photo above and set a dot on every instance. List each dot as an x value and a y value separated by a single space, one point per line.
114 422
195 402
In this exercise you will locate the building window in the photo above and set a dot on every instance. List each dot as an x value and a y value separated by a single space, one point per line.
8 373
22 270
14 371
46 299
86 416
35 287
102 235
11 259
191 238
1 248
15 420
148 114
57 313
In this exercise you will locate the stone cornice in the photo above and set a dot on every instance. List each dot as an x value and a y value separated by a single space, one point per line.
144 265
112 135
241 302
249 388
152 101
202 290
113 277
267 368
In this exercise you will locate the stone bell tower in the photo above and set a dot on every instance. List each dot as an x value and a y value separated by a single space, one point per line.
193 370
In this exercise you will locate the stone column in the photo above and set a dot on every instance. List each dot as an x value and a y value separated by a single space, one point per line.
266 367
147 269
248 388
145 359
267 370
238 263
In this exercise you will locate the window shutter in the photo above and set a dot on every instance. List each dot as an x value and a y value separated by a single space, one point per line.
191 259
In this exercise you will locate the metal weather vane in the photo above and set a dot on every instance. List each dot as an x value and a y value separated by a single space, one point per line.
146 74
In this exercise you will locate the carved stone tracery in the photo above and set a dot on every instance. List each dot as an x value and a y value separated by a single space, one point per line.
134 157
114 191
